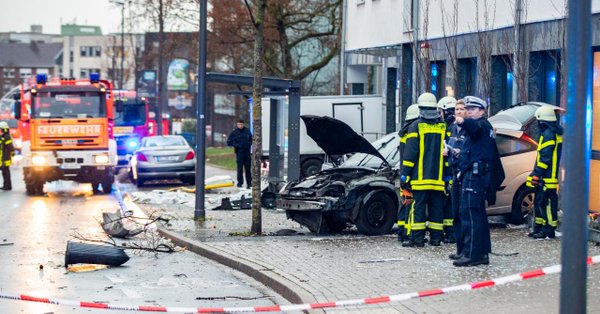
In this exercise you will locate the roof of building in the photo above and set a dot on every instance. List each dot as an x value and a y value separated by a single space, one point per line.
80 30
39 55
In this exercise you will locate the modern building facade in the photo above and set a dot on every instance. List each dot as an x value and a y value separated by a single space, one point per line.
504 51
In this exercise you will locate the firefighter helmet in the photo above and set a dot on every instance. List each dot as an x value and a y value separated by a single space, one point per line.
446 103
412 112
4 125
427 101
545 113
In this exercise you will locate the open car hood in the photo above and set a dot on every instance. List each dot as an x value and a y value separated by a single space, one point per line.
336 137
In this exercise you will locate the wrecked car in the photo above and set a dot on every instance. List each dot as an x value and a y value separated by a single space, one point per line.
361 191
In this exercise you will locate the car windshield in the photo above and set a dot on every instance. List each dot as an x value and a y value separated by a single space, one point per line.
156 141
134 113
58 105
387 147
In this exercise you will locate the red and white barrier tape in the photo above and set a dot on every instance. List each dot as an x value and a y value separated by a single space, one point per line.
300 307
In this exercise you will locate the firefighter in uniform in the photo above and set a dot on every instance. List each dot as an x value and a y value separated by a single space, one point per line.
544 177
6 152
446 106
474 163
422 173
454 146
412 114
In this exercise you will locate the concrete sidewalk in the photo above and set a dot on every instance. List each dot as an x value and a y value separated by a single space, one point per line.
303 267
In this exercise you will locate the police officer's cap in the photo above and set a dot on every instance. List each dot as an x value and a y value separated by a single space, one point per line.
472 101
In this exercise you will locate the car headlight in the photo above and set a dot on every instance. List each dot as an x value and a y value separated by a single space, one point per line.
101 159
38 160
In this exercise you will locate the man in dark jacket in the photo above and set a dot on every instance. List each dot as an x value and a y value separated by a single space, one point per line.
544 177
241 140
6 152
478 153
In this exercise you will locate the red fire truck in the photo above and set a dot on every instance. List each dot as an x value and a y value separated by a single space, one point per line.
67 132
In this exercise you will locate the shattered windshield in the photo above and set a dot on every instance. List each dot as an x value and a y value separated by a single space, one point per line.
387 147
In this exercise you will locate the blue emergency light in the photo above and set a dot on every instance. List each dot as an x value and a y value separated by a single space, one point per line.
41 78
94 77
132 143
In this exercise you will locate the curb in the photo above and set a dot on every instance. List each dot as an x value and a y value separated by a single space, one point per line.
269 277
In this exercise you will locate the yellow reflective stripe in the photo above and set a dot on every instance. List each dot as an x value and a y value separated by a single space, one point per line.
428 187
555 156
8 142
408 163
542 165
436 226
401 223
546 144
411 135
540 221
549 215
411 218
448 222
425 128
428 181
403 140
417 226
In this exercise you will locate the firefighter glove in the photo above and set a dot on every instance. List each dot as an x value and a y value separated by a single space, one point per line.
407 197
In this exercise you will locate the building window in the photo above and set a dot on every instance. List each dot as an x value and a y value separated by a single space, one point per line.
438 75
25 72
467 77
42 71
544 76
9 73
85 73
90 51
502 83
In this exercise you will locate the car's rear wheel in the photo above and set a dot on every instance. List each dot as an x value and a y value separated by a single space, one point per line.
377 215
522 207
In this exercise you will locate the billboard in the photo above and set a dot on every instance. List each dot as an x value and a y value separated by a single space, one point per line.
145 84
178 75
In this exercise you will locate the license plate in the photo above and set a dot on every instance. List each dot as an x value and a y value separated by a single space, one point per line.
69 142
69 166
167 158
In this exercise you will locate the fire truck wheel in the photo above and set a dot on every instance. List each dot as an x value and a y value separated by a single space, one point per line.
34 188
107 186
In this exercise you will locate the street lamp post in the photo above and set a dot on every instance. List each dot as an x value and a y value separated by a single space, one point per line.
199 212
122 50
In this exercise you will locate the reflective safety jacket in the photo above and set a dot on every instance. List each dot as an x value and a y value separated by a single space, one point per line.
6 149
403 134
422 162
548 155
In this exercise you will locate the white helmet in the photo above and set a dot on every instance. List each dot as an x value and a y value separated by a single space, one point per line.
427 101
545 113
446 103
412 112
4 125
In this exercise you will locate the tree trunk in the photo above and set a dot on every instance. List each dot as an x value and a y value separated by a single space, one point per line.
256 116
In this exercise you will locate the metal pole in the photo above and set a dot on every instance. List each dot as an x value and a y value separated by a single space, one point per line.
343 50
161 75
122 44
575 186
199 212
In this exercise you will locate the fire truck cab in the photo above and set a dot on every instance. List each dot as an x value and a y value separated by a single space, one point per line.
67 132
132 124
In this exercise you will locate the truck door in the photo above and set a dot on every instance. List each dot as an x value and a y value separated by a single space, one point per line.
352 115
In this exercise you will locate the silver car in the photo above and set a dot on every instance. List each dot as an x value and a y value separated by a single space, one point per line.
163 157
516 137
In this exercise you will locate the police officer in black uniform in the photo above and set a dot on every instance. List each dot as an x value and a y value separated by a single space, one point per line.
474 164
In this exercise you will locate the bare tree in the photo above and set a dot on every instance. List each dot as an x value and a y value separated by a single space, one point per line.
484 44
257 15
450 31
421 48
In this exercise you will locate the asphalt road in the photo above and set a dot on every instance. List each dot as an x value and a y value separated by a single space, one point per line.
39 228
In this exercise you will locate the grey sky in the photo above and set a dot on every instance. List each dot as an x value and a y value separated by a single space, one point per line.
18 15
